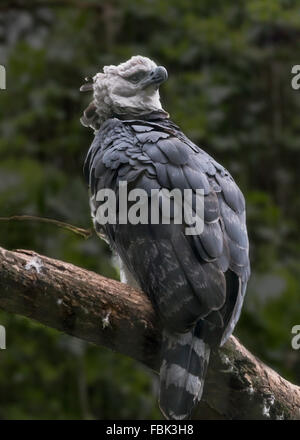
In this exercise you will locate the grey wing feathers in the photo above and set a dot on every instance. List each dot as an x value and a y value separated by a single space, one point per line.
195 282
158 156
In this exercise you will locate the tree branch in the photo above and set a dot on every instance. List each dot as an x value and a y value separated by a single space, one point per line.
85 233
108 313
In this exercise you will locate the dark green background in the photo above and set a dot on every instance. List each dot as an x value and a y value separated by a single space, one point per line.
229 89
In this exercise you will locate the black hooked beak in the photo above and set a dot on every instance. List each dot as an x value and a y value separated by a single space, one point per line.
156 77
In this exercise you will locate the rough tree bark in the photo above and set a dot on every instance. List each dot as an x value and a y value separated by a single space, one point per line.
108 313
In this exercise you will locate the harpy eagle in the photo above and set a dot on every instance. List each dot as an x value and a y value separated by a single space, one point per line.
196 283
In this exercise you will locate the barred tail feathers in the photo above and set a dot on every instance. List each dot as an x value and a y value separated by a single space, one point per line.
182 373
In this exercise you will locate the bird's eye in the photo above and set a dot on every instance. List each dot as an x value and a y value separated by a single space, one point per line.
136 77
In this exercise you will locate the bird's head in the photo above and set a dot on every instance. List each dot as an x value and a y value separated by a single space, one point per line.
130 89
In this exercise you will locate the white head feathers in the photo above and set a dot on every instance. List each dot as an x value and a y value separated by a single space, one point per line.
130 66
129 89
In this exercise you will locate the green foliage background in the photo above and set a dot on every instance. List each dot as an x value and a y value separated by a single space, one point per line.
229 89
